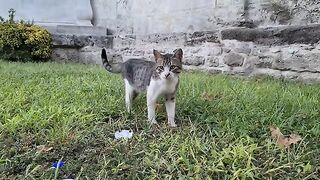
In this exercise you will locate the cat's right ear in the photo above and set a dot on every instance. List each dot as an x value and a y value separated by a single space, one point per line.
157 55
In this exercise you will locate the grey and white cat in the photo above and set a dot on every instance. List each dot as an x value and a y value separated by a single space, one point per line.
156 78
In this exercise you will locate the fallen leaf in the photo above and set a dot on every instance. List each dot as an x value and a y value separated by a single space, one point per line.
159 107
43 148
207 96
71 136
282 140
294 139
275 132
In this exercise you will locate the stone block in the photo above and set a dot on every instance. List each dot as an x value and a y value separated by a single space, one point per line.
66 55
260 51
80 30
275 35
244 49
195 50
124 41
226 49
215 51
309 62
74 41
213 71
249 63
233 59
201 37
138 53
194 60
164 38
212 61
267 60
92 57
275 50
308 77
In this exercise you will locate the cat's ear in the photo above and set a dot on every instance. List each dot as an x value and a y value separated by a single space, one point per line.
157 55
178 54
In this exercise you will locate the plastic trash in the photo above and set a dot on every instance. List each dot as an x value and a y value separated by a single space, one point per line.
126 134
58 164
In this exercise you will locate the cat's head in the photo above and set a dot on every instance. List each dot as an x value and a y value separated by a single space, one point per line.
168 66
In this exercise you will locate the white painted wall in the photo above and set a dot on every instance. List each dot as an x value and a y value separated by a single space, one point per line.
128 16
50 12
113 14
171 16
140 16
164 16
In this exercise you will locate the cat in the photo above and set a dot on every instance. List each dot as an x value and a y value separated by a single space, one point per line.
158 78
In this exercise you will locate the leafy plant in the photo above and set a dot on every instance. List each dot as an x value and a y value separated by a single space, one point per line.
21 41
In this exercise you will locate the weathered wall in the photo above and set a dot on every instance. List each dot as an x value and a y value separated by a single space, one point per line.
289 52
167 16
207 30
148 16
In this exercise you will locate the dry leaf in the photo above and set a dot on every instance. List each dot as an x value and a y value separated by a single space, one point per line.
275 132
284 141
43 148
159 107
71 136
294 138
207 96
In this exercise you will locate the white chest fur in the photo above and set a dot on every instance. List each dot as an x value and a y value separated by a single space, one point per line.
161 86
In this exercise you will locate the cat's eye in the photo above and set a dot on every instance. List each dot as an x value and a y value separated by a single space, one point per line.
160 68
172 67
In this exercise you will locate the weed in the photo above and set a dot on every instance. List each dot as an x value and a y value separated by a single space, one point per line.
72 112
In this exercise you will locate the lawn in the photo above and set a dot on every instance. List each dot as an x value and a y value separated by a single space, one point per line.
51 112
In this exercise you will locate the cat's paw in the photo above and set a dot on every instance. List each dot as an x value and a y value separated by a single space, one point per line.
153 122
172 125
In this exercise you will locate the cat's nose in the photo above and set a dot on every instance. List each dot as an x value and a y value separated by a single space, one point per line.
167 75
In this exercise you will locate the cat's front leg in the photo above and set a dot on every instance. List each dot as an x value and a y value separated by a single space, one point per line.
171 110
151 103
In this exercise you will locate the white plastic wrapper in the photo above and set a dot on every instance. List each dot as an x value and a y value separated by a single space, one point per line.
126 134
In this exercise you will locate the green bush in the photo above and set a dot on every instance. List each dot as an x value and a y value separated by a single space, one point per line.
20 41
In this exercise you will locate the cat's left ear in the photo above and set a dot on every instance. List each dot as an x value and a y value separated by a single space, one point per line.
178 54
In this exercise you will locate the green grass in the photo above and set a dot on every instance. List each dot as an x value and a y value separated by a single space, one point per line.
75 109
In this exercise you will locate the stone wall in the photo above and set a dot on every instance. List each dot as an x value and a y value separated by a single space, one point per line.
240 37
289 52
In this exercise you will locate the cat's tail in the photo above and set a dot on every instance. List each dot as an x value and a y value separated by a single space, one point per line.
116 68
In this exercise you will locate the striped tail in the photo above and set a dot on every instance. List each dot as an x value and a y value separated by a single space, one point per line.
114 67
105 61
